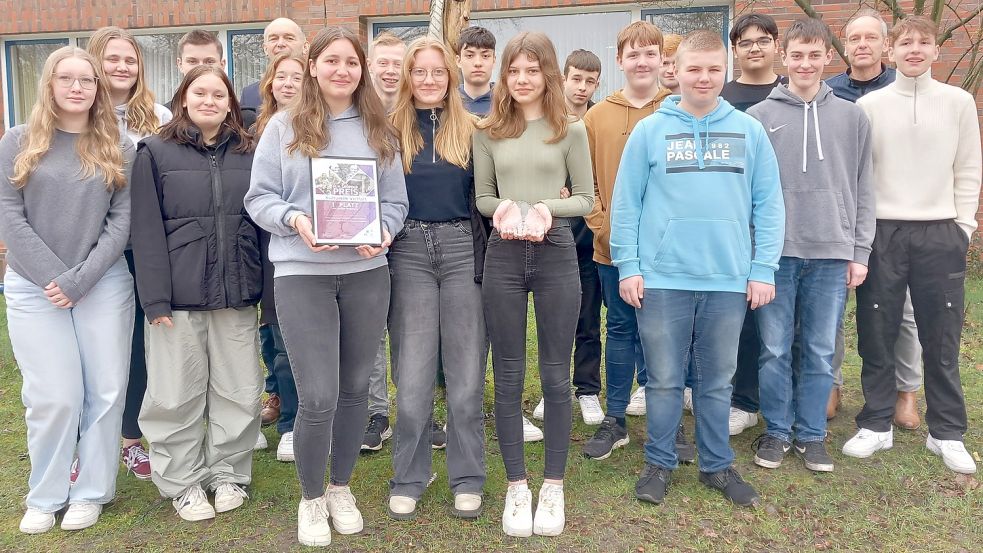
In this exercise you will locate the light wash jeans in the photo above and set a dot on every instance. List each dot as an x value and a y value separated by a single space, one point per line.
74 363
623 358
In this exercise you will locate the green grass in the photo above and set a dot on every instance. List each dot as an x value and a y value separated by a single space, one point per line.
903 499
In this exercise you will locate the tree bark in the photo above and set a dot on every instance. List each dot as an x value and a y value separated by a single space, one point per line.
447 19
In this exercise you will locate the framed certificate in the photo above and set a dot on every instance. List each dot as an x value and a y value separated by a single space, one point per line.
345 198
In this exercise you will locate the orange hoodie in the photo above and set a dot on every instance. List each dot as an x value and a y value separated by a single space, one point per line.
608 125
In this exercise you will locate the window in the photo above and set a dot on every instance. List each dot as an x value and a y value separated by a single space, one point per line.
247 61
681 21
25 59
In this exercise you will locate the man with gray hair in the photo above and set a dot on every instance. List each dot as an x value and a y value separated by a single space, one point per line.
280 35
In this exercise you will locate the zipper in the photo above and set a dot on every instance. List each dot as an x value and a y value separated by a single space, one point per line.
433 134
219 223
914 103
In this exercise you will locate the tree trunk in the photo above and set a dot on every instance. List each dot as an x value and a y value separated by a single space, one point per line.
447 19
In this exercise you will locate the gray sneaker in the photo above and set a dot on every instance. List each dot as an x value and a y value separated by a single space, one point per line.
814 456
609 436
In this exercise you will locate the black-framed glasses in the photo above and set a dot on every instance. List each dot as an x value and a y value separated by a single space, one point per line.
420 74
762 42
65 80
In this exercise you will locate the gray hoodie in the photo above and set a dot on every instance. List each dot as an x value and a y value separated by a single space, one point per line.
280 187
163 115
827 184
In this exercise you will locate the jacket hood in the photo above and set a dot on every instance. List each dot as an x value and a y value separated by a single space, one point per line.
618 99
784 95
670 107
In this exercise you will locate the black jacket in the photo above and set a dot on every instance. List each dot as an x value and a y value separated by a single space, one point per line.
194 246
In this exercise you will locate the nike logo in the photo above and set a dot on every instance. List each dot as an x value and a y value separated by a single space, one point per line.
773 129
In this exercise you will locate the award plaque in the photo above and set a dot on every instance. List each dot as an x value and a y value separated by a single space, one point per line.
345 198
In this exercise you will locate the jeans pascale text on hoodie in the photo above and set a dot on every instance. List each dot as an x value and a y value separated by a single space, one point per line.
721 152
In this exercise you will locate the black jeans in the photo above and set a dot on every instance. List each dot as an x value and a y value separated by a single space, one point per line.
928 257
331 327
548 269
136 387
587 344
745 395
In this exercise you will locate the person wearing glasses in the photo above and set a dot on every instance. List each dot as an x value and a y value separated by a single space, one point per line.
436 262
65 218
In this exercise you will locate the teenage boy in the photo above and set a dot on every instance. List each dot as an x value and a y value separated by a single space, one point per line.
476 58
927 170
201 47
754 40
667 73
865 41
385 66
609 124
829 227
693 180
281 35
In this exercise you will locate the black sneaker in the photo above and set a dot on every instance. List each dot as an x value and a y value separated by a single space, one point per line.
685 451
734 488
377 432
438 436
653 484
769 451
814 455
609 437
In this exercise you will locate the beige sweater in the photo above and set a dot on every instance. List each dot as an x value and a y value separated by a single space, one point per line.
926 151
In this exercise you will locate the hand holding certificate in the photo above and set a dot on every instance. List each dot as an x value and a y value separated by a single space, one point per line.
345 203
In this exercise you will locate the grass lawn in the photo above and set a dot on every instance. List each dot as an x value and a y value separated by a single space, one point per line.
902 499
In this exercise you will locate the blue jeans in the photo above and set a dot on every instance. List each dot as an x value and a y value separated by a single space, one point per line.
814 292
267 350
622 349
674 324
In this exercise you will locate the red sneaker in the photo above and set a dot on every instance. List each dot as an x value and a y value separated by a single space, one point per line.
136 460
73 476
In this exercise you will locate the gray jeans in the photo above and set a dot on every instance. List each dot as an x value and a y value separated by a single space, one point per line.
436 311
378 390
331 368
907 353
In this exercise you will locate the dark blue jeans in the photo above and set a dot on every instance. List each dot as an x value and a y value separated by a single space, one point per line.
623 357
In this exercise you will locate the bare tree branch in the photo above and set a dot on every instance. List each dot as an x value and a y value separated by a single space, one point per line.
937 6
806 7
919 7
895 8
947 33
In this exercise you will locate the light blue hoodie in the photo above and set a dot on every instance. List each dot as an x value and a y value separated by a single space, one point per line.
684 209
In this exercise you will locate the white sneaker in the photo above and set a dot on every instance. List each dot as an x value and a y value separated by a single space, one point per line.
539 413
740 421
688 399
402 507
517 517
193 505
953 453
341 507
36 521
313 529
285 449
636 405
80 515
229 496
866 442
261 443
590 409
467 505
530 433
549 513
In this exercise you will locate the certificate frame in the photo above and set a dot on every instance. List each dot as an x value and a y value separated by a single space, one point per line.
345 204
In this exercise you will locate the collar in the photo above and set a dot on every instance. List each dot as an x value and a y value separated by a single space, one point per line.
885 71
907 85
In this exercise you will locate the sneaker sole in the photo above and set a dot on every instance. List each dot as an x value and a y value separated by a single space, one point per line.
857 455
313 541
474 513
79 525
819 467
285 458
441 446
735 432
593 422
766 463
139 476
961 470
530 439
635 412
620 443
548 532
401 516
649 498
37 529
196 517
517 533
227 508
351 529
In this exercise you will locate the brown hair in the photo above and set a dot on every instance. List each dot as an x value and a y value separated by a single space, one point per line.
584 60
701 40
179 129
385 38
670 43
505 120
809 29
268 104
914 24
198 37
639 33
311 111
140 114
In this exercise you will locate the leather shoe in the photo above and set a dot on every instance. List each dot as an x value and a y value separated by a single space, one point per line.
906 411
833 405
271 410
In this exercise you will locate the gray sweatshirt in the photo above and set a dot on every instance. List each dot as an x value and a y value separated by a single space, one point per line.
280 187
60 226
827 184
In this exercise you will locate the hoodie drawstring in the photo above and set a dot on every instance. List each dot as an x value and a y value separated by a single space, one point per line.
805 133
700 147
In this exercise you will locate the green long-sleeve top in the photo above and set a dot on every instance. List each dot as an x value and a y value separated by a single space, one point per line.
530 170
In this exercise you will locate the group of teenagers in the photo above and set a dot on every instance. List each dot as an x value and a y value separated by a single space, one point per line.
141 239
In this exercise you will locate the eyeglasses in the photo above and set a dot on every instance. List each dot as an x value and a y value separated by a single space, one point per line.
66 81
762 42
420 74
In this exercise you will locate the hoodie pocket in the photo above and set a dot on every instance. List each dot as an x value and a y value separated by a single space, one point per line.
816 216
187 251
250 263
704 247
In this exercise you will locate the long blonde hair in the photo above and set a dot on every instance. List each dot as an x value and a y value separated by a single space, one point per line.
309 114
505 119
453 140
98 145
268 104
140 114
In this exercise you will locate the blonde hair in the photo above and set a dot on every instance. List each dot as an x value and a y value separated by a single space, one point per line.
268 105
309 114
700 40
98 145
505 119
140 114
670 43
453 140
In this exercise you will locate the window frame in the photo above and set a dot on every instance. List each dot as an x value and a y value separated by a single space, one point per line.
720 8
8 72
